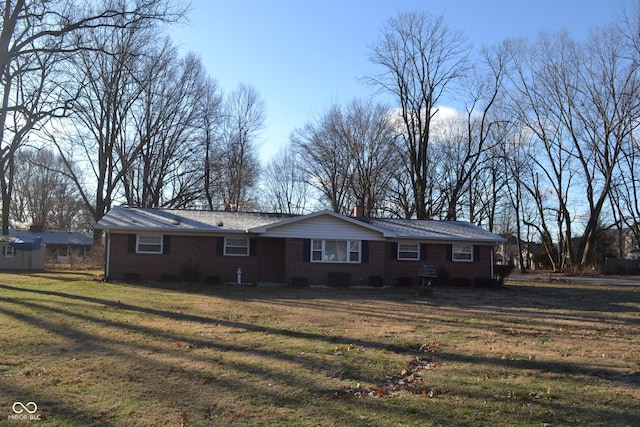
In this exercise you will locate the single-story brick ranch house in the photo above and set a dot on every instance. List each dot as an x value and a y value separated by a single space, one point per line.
166 244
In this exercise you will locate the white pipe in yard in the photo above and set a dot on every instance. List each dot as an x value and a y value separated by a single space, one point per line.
239 276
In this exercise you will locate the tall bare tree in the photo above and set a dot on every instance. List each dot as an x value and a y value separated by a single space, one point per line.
286 188
421 59
35 38
235 164
350 155
210 119
464 155
364 128
166 173
43 193
580 100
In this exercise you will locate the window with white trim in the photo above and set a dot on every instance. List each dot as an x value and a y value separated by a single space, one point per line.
148 244
235 246
462 253
409 251
336 251
8 251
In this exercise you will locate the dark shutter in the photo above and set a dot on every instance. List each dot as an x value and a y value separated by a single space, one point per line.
476 253
253 246
166 244
220 246
365 252
423 251
131 244
306 250
394 250
449 249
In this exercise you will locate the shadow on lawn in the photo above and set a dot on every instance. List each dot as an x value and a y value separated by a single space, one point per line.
135 352
85 346
539 365
59 275
608 298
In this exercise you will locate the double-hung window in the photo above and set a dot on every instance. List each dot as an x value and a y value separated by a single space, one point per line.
336 251
236 246
408 251
149 244
463 253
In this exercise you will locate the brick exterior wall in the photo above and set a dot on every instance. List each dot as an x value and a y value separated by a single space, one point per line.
266 263
439 255
278 260
299 265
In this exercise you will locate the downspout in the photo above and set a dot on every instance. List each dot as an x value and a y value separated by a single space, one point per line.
107 263
492 253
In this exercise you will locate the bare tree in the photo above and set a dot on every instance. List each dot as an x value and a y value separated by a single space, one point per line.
465 155
166 173
35 38
325 160
235 165
286 188
581 102
421 60
610 87
43 195
210 120
365 130
350 155
108 82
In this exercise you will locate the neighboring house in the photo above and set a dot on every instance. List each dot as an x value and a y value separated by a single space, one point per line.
152 244
507 253
60 244
21 254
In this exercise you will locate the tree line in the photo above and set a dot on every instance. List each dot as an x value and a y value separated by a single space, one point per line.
100 108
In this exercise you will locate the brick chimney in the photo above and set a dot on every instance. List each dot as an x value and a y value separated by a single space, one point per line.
358 211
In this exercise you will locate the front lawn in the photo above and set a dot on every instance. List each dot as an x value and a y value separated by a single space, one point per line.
114 354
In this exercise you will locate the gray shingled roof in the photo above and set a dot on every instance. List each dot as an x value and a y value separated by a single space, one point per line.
435 230
126 218
174 220
51 237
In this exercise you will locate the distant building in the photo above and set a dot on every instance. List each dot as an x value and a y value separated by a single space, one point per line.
19 254
60 244
634 254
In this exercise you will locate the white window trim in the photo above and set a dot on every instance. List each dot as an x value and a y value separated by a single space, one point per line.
161 245
226 245
9 251
417 251
459 252
324 255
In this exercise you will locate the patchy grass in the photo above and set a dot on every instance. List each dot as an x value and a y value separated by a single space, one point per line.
91 354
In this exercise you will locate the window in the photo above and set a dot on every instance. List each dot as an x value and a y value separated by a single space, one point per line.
335 251
236 246
408 251
149 244
8 251
462 253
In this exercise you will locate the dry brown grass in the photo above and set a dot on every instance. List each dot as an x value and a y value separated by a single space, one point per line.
92 353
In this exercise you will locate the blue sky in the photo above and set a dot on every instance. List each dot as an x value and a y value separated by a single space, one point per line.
303 55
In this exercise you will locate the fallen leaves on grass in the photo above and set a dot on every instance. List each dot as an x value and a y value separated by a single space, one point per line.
410 379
